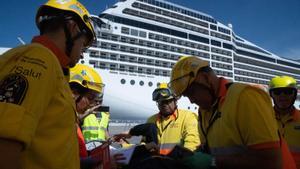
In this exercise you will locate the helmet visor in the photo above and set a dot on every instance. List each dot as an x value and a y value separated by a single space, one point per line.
162 94
179 85
99 87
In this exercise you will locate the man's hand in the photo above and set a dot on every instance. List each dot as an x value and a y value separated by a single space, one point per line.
152 147
88 112
120 136
92 109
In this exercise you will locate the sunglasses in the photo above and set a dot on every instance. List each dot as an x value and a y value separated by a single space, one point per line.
285 91
164 102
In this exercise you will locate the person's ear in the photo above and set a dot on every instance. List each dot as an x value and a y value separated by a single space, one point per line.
73 27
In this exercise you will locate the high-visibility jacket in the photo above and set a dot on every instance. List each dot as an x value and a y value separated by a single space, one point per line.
180 128
94 129
37 107
243 119
289 128
103 121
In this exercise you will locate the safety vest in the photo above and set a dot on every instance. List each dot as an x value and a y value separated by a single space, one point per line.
181 128
94 129
103 121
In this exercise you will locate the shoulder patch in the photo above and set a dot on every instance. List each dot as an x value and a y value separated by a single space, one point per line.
13 88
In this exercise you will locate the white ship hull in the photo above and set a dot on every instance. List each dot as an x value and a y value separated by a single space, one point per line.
133 102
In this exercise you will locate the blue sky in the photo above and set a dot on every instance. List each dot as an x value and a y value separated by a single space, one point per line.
271 24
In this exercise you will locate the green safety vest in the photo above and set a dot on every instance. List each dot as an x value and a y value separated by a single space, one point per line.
94 129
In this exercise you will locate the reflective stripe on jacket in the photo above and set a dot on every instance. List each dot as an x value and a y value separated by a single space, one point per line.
181 128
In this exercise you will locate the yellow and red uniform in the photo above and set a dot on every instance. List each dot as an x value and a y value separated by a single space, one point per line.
180 128
243 119
289 128
37 108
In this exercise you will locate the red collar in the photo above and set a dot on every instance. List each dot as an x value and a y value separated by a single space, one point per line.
222 89
173 116
61 56
296 114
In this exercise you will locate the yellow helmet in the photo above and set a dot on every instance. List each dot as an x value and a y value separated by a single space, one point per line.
162 92
72 6
86 77
184 73
282 81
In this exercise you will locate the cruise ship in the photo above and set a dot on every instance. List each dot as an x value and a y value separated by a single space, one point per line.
139 41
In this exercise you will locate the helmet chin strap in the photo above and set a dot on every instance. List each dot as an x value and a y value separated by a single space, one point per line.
70 40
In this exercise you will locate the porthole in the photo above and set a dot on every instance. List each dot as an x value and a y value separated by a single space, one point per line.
82 62
142 83
123 81
132 82
150 84
158 84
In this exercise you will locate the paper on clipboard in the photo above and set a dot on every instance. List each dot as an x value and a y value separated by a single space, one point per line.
127 153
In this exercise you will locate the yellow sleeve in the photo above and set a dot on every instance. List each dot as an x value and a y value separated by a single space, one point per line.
191 136
256 117
26 84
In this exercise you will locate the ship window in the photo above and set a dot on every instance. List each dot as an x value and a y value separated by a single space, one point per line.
143 34
157 85
122 68
82 62
131 69
150 84
132 82
113 57
141 83
227 46
198 38
123 81
125 30
215 43
214 27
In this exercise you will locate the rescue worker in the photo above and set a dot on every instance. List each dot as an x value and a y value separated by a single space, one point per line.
92 129
283 90
36 105
86 85
171 126
237 121
174 126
